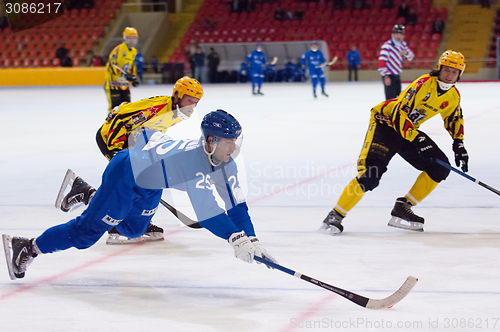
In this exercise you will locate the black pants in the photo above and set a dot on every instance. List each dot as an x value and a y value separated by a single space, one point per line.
392 91
381 144
355 69
117 96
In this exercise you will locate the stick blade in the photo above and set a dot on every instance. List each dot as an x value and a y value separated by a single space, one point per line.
394 298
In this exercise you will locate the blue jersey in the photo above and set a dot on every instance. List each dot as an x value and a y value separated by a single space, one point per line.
158 161
314 59
256 60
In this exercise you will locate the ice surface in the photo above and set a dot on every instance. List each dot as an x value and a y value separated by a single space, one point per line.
298 153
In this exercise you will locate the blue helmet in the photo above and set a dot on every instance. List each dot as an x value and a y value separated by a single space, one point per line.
220 124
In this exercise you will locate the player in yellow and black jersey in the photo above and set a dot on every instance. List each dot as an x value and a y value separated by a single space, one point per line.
394 128
120 70
116 134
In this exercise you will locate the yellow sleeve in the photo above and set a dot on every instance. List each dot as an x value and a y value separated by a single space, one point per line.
454 123
401 114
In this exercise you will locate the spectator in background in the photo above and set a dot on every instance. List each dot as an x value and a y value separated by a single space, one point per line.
279 14
358 4
438 26
387 4
66 62
4 22
354 62
139 63
339 4
97 61
412 18
61 53
154 64
213 62
298 14
198 60
403 10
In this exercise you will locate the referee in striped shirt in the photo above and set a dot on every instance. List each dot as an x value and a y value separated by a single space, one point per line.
391 61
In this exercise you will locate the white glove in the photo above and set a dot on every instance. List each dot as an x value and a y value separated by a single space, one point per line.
261 252
243 247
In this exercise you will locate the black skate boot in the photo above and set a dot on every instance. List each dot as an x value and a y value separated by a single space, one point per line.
332 224
81 193
259 93
403 217
22 252
153 233
314 94
324 93
253 92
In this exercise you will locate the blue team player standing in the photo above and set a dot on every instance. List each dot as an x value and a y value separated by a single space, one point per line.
316 61
131 189
256 61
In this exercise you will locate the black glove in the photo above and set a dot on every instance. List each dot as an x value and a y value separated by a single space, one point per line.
461 156
131 78
424 148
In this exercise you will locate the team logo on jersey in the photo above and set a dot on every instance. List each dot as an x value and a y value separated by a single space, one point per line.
444 105
420 82
148 213
124 54
410 94
427 97
110 221
138 118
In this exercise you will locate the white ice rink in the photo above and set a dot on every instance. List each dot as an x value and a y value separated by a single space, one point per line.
298 154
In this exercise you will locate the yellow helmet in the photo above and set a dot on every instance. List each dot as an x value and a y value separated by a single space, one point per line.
188 86
130 32
452 59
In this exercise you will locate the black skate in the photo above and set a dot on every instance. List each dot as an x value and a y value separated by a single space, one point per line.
260 93
324 93
19 253
314 94
80 193
153 233
403 217
254 93
332 224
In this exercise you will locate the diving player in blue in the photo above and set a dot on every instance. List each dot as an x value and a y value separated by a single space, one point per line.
316 61
131 189
256 61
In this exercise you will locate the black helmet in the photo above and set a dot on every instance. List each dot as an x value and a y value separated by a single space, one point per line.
398 28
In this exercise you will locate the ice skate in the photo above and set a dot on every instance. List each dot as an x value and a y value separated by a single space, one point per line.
403 217
81 193
153 233
324 93
259 93
19 253
314 94
332 224
254 93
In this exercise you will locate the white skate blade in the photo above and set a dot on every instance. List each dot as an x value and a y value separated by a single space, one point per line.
7 247
69 178
328 230
118 239
405 224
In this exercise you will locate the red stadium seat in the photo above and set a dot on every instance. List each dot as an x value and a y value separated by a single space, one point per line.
27 63
46 62
76 62
36 62
56 62
33 54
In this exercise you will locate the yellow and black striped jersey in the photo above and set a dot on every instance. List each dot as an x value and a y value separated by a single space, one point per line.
154 113
122 57
418 103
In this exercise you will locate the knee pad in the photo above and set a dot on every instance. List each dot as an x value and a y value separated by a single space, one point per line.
370 179
437 172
